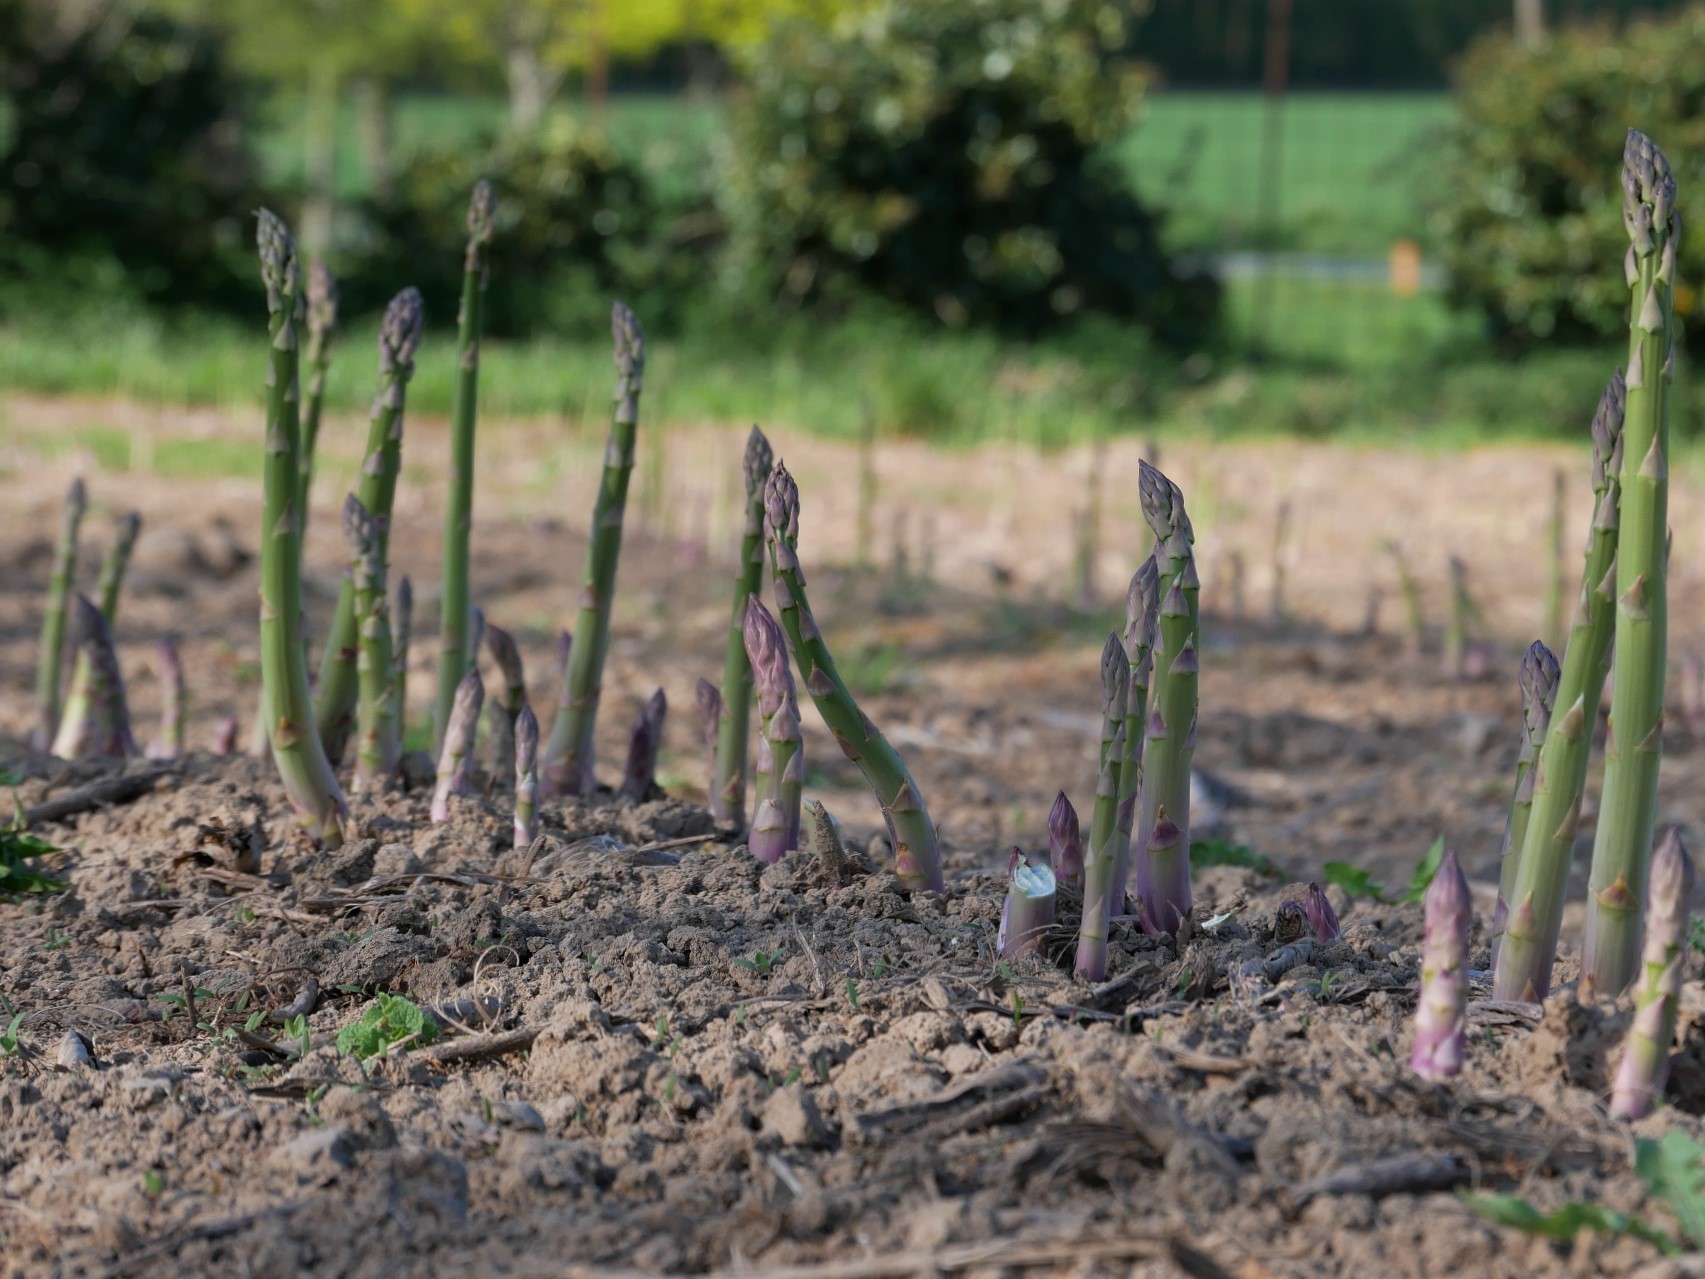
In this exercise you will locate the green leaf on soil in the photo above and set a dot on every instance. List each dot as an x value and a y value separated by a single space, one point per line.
1423 876
1566 1222
17 846
1671 1169
1219 852
386 1022
1356 881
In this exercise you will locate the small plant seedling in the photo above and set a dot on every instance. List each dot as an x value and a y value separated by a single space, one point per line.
760 962
389 1022
153 1184
12 1041
1356 881
57 940
852 992
297 1028
1017 1008
18 846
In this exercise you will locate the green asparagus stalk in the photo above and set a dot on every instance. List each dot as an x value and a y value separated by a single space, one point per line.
526 777
1163 819
1101 895
1556 587
169 665
1142 606
506 706
114 566
1113 698
96 719
402 629
454 651
917 856
569 761
728 781
296 749
1529 941
1441 1015
1462 612
1645 1059
50 664
317 356
458 745
339 685
1537 678
378 738
781 744
1028 912
1412 607
639 778
1622 845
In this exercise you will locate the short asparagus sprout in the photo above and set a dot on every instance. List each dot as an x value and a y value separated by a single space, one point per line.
1622 843
911 834
728 779
1029 910
639 778
1645 1058
511 697
526 777
1441 1016
1317 909
1537 678
96 720
339 685
781 743
569 759
458 745
707 699
224 740
170 668
1065 843
51 660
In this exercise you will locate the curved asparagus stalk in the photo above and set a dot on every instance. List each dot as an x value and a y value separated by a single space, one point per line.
1091 962
526 777
781 743
506 706
708 699
317 356
170 743
639 779
116 562
402 630
296 748
1065 841
1441 1016
1559 775
51 661
917 856
458 744
96 719
454 650
399 339
1622 844
1645 1059
1537 679
1142 606
1028 912
728 781
1163 818
378 739
569 761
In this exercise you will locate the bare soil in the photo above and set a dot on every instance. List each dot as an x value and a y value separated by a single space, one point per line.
660 1056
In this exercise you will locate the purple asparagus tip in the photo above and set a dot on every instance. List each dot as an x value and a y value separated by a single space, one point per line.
1441 1017
1065 840
458 743
768 839
1321 917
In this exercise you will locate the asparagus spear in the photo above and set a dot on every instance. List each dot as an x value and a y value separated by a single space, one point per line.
526 777
1441 1016
455 652
1529 941
1537 678
1142 604
1028 913
114 566
378 735
1163 821
96 719
224 736
1113 699
1317 909
1098 886
476 636
707 697
170 667
1622 845
1645 1059
402 628
639 779
458 744
569 761
322 327
917 857
50 663
296 748
1065 843
1555 586
728 782
399 339
781 744
506 706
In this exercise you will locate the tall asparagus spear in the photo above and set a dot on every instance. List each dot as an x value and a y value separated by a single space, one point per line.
1537 678
917 856
1142 605
781 744
511 697
1556 587
569 761
458 744
399 338
1100 858
116 562
50 663
526 777
454 652
1529 942
1441 1016
1622 845
728 783
1645 1059
317 356
378 737
1163 820
402 629
96 719
301 759
170 667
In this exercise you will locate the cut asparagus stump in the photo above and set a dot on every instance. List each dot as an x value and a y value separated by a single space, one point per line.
296 748
728 781
1441 1016
1065 841
50 663
1537 678
1029 910
506 705
569 760
1622 844
339 684
170 743
917 856
526 777
1559 774
96 719
458 745
639 778
455 652
781 743
1645 1057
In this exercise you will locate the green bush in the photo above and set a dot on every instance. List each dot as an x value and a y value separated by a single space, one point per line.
1531 203
577 224
945 154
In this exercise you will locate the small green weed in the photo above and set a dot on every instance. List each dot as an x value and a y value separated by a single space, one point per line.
1357 882
386 1023
1219 852
18 846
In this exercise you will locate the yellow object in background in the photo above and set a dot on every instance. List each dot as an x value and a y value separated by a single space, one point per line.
1406 268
